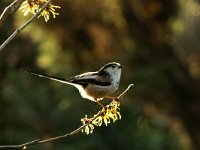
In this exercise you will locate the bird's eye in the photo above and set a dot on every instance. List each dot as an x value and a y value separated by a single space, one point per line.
113 66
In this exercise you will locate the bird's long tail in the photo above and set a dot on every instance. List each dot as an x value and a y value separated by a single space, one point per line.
62 80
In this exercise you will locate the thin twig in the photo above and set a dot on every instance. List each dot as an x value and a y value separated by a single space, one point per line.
17 31
38 141
122 94
9 10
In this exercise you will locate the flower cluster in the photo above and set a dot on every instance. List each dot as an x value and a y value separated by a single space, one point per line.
89 127
33 6
106 115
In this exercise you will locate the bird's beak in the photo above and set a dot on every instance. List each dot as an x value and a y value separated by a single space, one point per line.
121 66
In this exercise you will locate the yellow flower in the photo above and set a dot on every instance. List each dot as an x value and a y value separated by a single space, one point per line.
48 10
106 119
85 120
29 6
98 121
33 6
88 128
112 112
109 112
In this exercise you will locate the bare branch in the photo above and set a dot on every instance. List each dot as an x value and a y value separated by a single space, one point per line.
122 94
38 141
17 31
9 10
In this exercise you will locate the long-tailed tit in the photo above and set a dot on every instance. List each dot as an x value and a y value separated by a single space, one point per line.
93 85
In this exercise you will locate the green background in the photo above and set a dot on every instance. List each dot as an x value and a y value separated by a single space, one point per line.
157 42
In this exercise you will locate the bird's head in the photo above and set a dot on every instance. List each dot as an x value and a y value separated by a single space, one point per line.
112 69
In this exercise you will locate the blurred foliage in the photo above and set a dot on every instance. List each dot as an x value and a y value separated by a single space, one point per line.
156 41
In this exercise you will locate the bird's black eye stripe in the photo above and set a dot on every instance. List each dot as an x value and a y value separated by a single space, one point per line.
113 66
103 73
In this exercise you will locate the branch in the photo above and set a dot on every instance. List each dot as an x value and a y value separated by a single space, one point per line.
9 10
17 31
122 94
38 141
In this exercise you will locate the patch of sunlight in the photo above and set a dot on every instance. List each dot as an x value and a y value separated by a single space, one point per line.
189 8
51 55
113 13
48 50
64 104
177 25
19 19
193 8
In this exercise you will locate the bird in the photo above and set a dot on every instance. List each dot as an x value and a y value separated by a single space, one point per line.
93 86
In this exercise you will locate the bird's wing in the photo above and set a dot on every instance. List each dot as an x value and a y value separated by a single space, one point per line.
89 78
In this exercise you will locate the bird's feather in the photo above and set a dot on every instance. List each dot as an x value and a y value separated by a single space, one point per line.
83 79
86 81
62 80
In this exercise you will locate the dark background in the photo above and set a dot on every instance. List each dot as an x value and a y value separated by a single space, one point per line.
158 43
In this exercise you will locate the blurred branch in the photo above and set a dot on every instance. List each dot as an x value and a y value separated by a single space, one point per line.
9 10
17 31
38 141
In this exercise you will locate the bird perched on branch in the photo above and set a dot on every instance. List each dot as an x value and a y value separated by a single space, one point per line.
93 85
